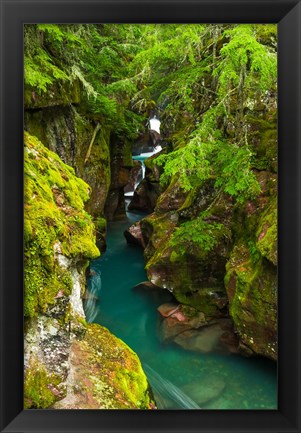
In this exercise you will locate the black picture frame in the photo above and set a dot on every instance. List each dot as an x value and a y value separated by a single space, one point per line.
14 13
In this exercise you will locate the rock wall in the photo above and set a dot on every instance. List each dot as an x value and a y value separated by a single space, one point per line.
121 164
236 276
147 193
59 238
68 132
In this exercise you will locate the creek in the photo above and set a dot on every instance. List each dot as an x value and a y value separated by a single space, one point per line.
180 379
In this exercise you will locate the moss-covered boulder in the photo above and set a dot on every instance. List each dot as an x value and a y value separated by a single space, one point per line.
105 374
222 264
191 270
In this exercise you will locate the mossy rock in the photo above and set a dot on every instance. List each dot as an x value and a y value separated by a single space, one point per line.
262 137
172 198
105 374
41 388
252 291
267 232
68 133
191 272
55 222
57 94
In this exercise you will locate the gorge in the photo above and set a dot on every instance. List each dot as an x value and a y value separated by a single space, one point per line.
150 276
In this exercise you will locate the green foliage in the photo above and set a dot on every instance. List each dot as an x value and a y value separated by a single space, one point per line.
204 77
243 53
254 253
190 164
41 72
234 174
197 232
201 77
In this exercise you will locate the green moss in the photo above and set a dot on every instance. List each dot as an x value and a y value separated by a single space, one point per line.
58 94
54 218
267 232
252 291
263 139
204 300
100 224
39 386
113 369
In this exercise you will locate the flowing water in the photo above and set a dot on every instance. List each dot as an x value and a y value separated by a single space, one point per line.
180 379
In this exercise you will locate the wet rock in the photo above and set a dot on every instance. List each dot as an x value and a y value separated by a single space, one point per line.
147 193
145 196
172 198
134 235
158 295
135 177
190 329
205 390
194 275
204 341
143 144
120 165
177 319
115 205
168 309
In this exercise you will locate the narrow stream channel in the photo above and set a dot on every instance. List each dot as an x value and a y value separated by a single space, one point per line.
180 379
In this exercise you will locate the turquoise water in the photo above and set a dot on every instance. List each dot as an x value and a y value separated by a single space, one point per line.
179 379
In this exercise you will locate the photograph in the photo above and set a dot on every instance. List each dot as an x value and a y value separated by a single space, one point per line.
151 216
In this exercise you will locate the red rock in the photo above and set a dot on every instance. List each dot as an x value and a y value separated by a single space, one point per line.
168 309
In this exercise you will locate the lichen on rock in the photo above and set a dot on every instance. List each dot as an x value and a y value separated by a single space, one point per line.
105 374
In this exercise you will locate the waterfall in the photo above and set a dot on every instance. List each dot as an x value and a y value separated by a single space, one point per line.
168 395
143 169
92 294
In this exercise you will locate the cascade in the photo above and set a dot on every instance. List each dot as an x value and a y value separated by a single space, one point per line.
92 296
168 395
143 169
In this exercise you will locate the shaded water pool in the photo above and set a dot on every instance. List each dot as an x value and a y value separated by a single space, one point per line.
180 379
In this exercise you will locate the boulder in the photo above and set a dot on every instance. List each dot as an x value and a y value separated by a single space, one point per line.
205 390
145 196
158 295
134 235
217 337
195 275
105 374
168 309
178 318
